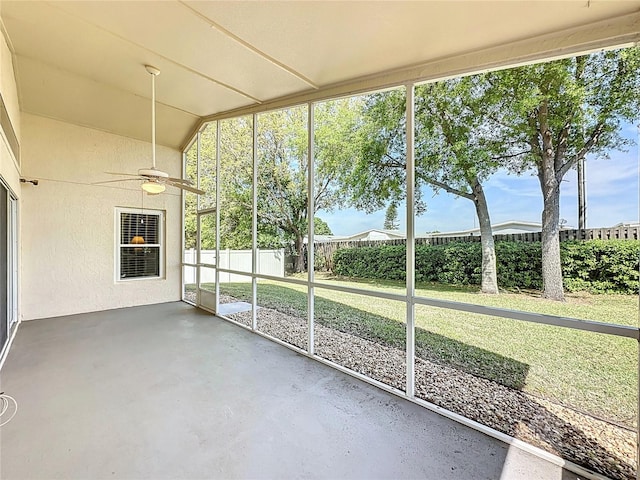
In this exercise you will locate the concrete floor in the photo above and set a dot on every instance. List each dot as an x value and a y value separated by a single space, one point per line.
168 391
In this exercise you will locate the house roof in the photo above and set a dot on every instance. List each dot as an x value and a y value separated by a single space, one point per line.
629 224
82 62
510 224
347 238
390 233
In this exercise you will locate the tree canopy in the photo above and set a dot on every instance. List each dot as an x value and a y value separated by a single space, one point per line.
452 153
391 217
549 116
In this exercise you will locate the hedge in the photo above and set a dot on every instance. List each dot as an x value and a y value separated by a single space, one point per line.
598 266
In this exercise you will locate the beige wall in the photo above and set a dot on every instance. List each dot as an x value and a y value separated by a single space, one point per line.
67 227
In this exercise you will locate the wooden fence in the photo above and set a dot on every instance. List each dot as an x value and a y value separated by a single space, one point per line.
324 250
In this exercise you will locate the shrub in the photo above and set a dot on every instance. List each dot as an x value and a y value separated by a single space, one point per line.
519 264
599 266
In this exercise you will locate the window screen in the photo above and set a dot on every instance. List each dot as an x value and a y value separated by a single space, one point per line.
140 244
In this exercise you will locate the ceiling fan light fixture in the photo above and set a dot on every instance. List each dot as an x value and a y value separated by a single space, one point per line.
153 188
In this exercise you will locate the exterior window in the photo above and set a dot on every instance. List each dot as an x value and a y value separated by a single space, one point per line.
139 242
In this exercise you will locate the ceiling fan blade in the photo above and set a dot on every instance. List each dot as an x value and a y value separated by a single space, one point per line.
180 180
118 180
125 174
187 188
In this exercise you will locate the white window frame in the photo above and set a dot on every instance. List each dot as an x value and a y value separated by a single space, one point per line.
118 246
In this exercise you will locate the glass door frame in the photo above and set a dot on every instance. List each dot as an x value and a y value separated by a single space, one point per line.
12 258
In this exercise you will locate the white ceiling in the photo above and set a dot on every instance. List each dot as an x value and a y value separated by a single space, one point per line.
82 62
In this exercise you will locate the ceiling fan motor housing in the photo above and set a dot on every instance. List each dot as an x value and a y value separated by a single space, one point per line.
152 70
152 172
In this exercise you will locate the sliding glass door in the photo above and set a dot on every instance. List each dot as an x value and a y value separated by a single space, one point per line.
4 266
8 264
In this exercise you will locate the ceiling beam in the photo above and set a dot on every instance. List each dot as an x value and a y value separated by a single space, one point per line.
249 46
159 55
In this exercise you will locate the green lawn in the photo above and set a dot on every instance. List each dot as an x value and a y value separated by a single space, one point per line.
592 372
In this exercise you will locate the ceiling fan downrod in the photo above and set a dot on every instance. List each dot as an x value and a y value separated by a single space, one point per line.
154 73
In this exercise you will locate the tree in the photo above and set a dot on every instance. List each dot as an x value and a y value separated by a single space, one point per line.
283 168
282 178
452 153
207 182
190 204
391 217
320 227
550 116
282 175
455 153
377 170
236 176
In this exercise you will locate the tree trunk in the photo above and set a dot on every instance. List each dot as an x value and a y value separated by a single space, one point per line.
299 245
551 267
489 275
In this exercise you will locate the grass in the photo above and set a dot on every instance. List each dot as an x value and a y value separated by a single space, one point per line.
592 372
620 309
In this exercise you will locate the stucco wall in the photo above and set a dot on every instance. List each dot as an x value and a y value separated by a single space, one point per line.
67 227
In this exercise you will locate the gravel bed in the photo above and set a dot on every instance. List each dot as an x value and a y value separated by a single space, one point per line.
595 444
585 440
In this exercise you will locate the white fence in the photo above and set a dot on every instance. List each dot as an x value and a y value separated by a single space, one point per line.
270 262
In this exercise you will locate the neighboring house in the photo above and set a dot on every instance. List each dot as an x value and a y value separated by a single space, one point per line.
633 224
504 228
375 234
371 234
326 238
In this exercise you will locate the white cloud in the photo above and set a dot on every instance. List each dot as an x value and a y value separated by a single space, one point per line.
513 185
606 176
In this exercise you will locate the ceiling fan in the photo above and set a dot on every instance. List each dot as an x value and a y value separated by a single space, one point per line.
154 181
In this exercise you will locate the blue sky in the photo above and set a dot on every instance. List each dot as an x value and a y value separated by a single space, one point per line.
612 197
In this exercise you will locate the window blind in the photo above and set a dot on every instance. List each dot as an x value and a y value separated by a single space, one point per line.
140 244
